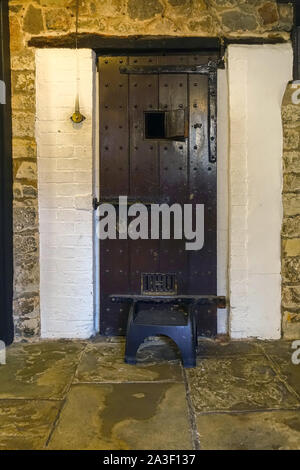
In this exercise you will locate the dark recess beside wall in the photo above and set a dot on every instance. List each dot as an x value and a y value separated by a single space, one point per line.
6 246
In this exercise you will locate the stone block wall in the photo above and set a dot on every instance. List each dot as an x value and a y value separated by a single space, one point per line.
25 212
164 17
52 18
291 220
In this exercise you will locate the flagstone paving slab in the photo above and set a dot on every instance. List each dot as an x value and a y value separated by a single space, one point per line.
207 348
26 424
105 363
247 383
123 416
280 353
39 370
277 430
289 372
276 348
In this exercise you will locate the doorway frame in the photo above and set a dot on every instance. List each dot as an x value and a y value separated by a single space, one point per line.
6 232
143 46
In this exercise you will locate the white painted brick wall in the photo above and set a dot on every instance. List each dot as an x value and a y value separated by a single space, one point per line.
65 184
222 198
257 78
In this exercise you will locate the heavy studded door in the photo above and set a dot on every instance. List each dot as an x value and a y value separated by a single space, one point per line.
157 145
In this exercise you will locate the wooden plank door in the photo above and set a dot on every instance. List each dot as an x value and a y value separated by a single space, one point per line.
155 170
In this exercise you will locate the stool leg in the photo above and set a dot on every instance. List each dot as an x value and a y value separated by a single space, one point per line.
189 354
195 333
190 346
132 345
186 344
133 339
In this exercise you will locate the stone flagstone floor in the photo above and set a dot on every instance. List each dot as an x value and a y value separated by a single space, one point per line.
81 395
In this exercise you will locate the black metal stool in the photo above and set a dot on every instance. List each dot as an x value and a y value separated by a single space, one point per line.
177 325
171 316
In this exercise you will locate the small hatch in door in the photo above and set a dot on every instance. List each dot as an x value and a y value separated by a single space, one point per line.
155 126
169 125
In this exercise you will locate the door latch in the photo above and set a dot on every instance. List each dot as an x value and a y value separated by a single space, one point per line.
95 203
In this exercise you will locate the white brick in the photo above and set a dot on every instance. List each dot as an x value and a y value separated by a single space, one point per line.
70 189
83 177
54 151
68 252
47 164
56 176
74 164
82 151
45 112
47 138
82 278
83 202
74 215
46 127
46 190
62 329
54 239
84 228
47 215
58 227
69 290
70 307
76 138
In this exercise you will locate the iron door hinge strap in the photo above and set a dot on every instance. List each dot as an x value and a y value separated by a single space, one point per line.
203 69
